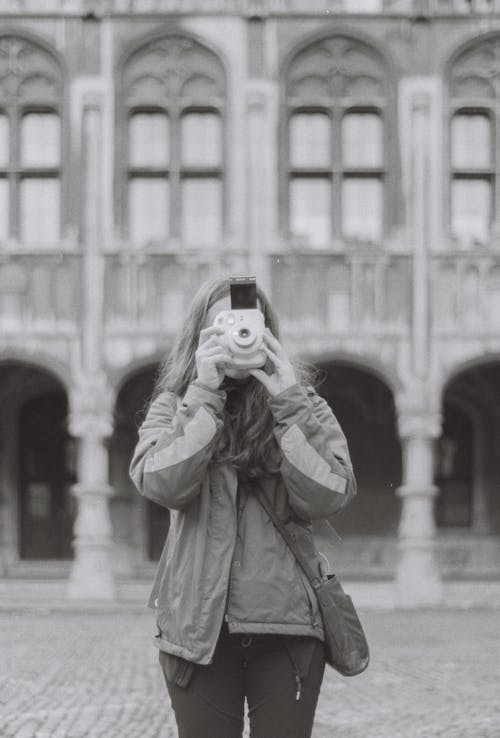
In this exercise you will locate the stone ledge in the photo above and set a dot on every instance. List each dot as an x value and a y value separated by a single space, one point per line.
22 595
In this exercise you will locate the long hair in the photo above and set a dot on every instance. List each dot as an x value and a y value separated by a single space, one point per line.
248 441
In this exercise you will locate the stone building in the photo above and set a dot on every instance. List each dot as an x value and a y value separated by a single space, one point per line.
347 153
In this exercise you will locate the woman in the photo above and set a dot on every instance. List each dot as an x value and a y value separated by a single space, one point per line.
237 617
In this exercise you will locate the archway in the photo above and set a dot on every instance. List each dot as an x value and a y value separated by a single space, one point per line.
467 470
364 407
37 464
140 526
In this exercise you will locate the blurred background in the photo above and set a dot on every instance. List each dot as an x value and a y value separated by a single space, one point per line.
347 153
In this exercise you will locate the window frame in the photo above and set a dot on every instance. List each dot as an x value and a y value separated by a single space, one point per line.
489 174
337 171
174 106
15 172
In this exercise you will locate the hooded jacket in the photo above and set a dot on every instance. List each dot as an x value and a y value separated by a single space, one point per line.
223 556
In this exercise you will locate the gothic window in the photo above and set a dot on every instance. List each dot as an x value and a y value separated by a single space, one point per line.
474 154
174 93
335 157
30 144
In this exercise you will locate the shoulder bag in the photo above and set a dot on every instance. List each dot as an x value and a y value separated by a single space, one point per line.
346 647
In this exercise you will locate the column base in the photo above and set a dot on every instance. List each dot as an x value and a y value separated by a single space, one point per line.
91 577
418 582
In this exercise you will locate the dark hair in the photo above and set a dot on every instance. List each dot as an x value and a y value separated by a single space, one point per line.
248 441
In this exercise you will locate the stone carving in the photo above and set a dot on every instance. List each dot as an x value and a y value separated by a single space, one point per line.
336 67
27 72
476 72
174 67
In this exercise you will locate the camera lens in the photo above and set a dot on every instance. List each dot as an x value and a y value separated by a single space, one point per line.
244 337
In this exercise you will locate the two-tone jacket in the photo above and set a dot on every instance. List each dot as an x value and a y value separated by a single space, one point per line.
223 556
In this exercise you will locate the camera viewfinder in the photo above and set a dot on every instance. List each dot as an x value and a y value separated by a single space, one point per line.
243 293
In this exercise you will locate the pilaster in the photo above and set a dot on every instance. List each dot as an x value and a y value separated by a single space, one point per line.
261 180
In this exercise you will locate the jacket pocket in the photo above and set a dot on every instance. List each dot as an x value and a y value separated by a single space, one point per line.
176 670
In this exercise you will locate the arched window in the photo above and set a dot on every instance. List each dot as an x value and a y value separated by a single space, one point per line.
335 154
30 144
474 102
174 94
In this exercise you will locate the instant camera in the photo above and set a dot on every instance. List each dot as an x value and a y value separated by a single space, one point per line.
243 325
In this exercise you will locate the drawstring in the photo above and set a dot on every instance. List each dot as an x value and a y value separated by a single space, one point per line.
299 686
298 681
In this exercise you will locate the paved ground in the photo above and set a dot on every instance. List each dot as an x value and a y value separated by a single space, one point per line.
95 675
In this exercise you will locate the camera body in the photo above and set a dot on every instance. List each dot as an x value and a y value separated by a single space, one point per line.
243 325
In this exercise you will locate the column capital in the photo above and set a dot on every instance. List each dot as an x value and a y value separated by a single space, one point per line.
90 408
90 489
419 424
421 101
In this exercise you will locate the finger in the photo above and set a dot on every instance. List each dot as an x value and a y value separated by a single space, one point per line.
260 375
209 342
271 355
209 348
273 342
218 357
210 332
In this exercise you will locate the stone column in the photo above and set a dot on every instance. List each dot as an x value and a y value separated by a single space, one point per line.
91 423
418 581
90 402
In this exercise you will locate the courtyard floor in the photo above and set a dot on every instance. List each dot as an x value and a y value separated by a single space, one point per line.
94 674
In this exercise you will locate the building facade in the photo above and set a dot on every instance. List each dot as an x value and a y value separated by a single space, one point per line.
345 152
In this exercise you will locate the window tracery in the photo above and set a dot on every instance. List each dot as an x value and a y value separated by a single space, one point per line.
174 96
30 143
474 92
335 185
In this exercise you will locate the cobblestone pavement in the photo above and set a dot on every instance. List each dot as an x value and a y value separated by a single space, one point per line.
95 675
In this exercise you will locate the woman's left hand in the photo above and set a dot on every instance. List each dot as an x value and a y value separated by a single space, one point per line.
283 375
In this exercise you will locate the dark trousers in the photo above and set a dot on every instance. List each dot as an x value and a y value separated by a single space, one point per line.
280 676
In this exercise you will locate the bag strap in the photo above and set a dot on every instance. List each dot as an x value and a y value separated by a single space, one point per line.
298 540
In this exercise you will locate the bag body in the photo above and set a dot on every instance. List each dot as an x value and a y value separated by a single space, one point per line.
345 642
346 647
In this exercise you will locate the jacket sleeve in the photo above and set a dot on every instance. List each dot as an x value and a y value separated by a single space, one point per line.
316 466
176 445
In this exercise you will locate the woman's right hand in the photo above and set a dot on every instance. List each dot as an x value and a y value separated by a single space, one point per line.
211 358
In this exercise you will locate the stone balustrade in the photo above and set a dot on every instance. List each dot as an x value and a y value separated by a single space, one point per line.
337 293
40 291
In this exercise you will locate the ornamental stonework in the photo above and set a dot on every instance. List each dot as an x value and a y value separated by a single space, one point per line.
27 72
174 67
476 72
334 68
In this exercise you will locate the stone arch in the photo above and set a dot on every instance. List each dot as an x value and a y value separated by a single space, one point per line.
467 468
40 360
371 364
363 402
452 371
139 525
118 378
37 460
